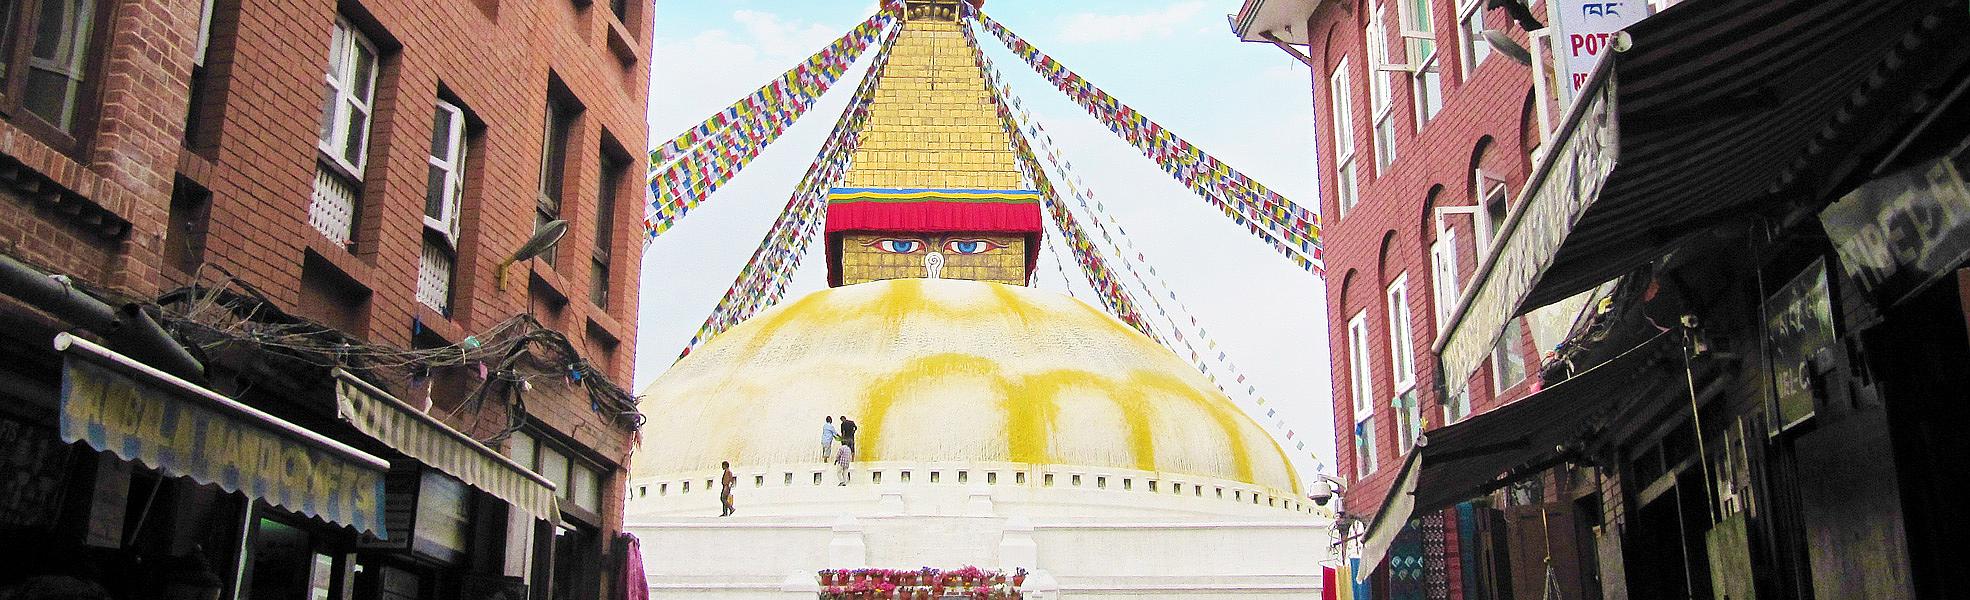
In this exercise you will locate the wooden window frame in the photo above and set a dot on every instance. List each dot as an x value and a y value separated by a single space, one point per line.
13 84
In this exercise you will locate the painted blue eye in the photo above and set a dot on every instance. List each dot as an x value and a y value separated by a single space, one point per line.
971 246
896 246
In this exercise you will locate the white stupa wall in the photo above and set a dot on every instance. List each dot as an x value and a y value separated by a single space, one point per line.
1182 541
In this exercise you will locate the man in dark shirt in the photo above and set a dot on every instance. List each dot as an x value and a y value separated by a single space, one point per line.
848 432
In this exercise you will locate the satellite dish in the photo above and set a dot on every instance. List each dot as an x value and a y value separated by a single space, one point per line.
543 240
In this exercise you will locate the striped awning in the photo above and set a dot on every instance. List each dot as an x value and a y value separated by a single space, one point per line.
124 407
1716 107
424 438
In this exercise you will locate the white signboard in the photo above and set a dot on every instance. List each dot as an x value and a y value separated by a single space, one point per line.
1584 31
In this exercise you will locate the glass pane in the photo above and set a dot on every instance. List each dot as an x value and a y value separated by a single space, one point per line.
320 576
359 85
598 283
522 451
330 100
7 10
554 466
587 488
357 137
54 79
442 504
337 46
279 562
434 192
441 135
51 96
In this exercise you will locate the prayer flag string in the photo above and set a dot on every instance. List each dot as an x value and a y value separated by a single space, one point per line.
691 166
763 281
1077 187
1290 229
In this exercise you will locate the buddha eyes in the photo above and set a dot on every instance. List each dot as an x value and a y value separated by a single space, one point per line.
913 246
971 246
896 246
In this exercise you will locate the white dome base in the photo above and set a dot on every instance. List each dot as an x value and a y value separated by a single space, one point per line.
1094 540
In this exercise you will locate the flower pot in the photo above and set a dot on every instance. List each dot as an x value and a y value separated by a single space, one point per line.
1019 579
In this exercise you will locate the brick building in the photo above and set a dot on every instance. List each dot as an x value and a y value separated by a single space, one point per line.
291 220
1675 351
1426 133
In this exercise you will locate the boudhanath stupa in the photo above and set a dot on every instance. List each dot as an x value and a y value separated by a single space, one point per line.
1000 425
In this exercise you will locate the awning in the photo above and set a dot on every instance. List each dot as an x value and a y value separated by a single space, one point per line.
1476 455
424 438
1706 111
139 413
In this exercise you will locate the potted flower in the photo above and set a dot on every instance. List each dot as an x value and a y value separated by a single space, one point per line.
1019 577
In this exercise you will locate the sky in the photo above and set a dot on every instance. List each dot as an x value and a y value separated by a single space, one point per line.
1173 60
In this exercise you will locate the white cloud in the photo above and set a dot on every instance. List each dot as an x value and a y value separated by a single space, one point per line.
1095 28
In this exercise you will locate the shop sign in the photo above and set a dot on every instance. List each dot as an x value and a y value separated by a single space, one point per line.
1567 182
1898 234
1799 327
1586 32
215 440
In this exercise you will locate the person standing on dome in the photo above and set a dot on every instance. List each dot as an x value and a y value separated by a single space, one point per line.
844 455
828 439
725 483
848 432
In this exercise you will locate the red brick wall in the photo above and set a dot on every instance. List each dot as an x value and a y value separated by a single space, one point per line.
258 161
1390 229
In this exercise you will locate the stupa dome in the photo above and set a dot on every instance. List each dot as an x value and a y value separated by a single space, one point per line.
936 370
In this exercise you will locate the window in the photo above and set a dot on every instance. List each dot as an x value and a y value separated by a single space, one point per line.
1472 46
1443 275
620 8
1364 447
444 193
1402 353
1507 363
613 168
553 165
1408 420
1458 407
351 88
1341 97
46 56
1359 382
1419 48
576 483
344 139
1378 90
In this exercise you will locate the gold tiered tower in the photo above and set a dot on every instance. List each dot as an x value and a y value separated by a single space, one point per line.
933 190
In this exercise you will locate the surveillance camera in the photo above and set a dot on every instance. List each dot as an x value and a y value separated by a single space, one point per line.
1322 492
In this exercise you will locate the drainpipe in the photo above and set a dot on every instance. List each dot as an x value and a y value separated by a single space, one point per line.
127 329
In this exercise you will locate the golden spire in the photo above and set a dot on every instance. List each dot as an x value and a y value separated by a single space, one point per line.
932 123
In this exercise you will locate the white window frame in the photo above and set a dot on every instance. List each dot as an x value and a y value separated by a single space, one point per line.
1420 56
204 33
342 67
1402 335
1364 447
1408 419
1340 87
1443 274
1498 383
1382 106
1472 48
1360 386
445 223
1360 374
